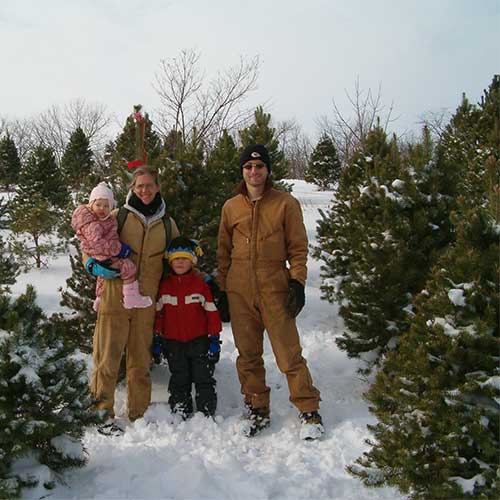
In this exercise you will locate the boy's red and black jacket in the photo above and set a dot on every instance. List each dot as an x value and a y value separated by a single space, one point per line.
185 308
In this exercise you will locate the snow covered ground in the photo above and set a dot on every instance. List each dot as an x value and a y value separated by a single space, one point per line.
162 457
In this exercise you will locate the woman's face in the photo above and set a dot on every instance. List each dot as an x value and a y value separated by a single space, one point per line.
145 188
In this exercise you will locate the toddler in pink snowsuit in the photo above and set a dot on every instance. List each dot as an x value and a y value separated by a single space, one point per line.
97 232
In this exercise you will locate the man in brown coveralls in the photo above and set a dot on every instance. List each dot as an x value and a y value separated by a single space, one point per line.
261 230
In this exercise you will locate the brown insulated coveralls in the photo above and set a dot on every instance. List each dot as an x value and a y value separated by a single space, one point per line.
118 328
256 240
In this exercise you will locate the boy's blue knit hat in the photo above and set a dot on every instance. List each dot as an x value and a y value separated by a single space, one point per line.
182 247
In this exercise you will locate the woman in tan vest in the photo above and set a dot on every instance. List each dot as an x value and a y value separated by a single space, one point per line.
120 330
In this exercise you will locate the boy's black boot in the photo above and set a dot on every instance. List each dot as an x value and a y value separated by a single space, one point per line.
181 406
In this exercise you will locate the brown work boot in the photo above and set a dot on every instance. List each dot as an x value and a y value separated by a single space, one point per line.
256 420
311 427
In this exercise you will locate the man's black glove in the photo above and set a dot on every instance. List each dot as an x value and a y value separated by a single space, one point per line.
223 307
296 298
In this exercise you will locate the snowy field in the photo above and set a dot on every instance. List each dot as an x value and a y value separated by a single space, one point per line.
160 457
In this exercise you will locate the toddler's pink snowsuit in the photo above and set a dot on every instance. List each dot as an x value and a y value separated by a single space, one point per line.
99 239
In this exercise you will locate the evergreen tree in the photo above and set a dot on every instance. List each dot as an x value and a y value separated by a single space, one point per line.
324 165
33 222
77 163
44 398
80 175
378 242
261 132
224 175
223 165
37 208
10 164
9 268
191 198
436 397
126 149
79 294
40 175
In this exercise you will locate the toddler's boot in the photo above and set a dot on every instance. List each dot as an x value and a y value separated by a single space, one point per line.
132 298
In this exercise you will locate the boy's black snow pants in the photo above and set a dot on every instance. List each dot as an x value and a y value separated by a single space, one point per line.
189 364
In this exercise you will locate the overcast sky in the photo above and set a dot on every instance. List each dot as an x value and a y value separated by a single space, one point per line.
423 53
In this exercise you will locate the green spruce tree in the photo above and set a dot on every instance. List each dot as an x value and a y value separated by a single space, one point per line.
41 175
190 196
324 165
10 164
436 396
37 209
33 222
78 163
9 269
222 164
79 294
126 148
378 242
261 132
80 174
44 397
224 175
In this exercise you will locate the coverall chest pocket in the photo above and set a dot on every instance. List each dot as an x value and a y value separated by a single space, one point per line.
242 232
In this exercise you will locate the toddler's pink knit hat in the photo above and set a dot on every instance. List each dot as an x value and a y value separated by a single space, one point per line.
102 191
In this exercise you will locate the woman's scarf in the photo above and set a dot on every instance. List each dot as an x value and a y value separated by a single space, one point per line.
146 210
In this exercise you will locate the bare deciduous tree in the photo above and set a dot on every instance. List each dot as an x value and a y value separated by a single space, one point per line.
20 131
54 127
436 121
201 110
349 133
296 146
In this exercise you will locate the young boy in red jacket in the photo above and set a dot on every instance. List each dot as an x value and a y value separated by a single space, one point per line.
189 324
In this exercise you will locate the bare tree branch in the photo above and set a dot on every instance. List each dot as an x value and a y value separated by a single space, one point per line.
21 132
55 126
201 110
297 147
436 121
349 132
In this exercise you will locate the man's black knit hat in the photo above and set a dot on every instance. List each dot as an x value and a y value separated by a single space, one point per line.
255 152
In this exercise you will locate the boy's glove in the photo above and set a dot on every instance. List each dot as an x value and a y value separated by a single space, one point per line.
125 251
214 348
101 270
296 298
157 348
223 307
